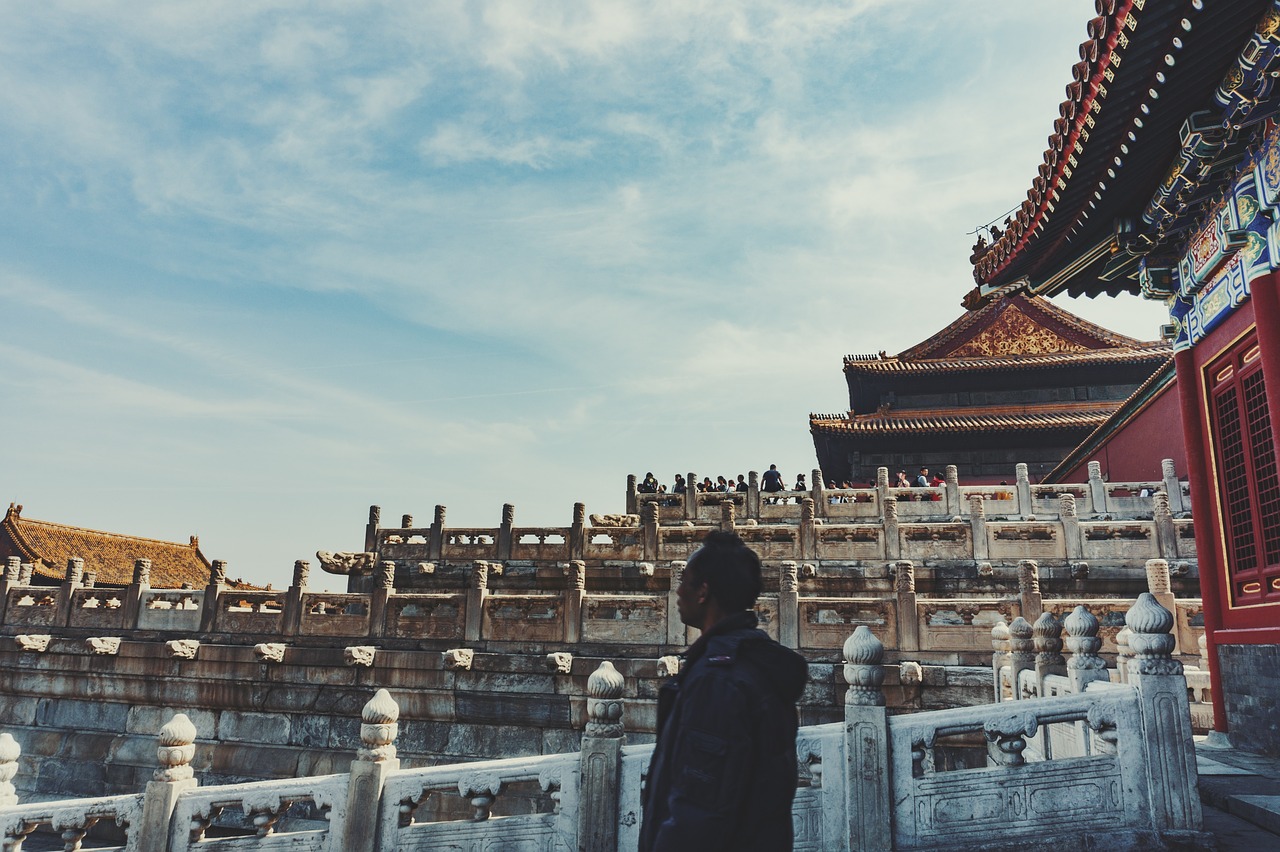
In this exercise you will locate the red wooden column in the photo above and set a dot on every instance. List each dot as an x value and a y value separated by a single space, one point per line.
1265 293
1204 515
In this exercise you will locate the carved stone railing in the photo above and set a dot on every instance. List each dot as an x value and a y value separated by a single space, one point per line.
1019 499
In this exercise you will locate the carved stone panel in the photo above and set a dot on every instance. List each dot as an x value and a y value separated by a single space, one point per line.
827 622
426 616
523 618
635 619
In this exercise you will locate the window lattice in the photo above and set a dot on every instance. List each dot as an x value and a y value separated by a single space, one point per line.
1262 448
1235 483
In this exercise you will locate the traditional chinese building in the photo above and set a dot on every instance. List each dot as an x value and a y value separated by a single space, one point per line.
1019 380
108 556
1162 177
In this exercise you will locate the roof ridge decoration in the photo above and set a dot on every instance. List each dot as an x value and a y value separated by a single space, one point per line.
193 544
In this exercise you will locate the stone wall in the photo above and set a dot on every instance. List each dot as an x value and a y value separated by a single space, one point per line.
1250 676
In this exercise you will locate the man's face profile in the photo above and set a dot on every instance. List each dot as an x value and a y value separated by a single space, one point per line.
691 595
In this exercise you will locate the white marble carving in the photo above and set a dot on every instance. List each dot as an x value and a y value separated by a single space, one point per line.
270 652
37 642
104 646
359 655
183 649
458 659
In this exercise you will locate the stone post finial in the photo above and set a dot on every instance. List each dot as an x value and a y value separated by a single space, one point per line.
1095 470
1029 576
864 654
951 474
1150 640
10 751
406 522
1047 637
89 579
807 509
891 510
508 514
604 702
1167 469
677 572
379 728
1081 627
218 572
1022 651
13 569
480 575
904 576
375 515
1020 472
24 574
649 511
301 572
577 571
1067 505
387 574
1160 506
1202 645
789 578
176 748
1158 582
75 570
142 572
440 512
579 514
1000 637
882 477
977 506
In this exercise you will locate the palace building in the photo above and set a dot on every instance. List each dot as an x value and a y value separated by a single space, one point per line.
1018 380
1162 178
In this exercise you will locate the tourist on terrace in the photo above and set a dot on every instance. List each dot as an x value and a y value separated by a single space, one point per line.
741 484
902 482
723 771
722 484
679 487
649 485
922 481
771 480
706 485
800 486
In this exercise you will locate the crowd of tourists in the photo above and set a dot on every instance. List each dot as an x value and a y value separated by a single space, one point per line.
773 485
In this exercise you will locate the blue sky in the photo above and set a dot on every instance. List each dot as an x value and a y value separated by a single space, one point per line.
266 264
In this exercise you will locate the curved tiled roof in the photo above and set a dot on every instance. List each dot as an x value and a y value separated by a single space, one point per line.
1152 353
1144 68
1073 416
48 545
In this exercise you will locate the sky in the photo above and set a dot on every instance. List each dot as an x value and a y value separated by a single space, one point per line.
265 265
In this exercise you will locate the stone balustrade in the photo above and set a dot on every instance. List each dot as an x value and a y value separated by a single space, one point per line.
1018 499
1120 771
919 609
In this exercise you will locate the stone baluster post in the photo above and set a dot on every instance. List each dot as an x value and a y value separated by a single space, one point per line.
818 491
1085 666
375 760
1160 586
691 497
677 633
1166 716
908 618
1097 490
1029 600
575 593
808 529
504 531
753 494
13 569
371 529
212 593
380 598
978 527
600 766
1166 533
952 477
866 743
578 532
728 514
174 777
435 547
892 544
1023 483
999 655
132 598
25 574
1123 654
789 605
71 581
1069 517
293 612
475 599
649 523
882 489
1047 637
1022 653
632 508
10 751
1172 486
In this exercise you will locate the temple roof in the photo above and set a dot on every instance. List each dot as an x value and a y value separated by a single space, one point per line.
48 546
995 418
1158 84
1013 333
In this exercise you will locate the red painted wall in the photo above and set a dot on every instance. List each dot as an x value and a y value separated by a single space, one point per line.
1134 453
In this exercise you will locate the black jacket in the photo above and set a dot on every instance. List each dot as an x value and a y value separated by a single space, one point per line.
723 772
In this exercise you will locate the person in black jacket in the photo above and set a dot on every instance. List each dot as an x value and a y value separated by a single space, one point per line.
723 772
